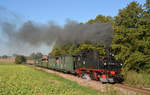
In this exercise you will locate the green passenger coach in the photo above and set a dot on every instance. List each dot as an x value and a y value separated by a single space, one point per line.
63 63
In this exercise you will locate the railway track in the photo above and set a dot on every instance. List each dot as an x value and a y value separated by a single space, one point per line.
142 91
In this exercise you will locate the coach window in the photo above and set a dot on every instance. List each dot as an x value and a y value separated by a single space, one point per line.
57 60
79 58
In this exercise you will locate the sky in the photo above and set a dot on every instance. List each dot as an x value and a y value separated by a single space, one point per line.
60 10
43 11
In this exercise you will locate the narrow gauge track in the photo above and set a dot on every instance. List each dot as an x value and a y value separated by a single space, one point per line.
94 84
135 89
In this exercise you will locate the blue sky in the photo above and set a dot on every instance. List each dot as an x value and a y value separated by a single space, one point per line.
59 10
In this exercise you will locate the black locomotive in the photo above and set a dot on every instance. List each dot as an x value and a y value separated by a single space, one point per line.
89 64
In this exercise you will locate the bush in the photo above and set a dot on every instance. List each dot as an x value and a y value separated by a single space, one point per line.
20 59
4 56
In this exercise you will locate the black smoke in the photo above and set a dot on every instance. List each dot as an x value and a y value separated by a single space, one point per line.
35 34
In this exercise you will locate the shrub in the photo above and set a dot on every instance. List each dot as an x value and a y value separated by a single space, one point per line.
4 56
20 59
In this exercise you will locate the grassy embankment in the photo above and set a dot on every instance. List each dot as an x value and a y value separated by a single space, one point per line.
137 79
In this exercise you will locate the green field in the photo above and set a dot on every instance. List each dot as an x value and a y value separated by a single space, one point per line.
25 80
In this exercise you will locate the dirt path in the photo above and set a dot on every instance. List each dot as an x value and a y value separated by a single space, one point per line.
96 84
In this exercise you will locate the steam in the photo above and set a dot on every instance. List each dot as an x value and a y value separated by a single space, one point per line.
30 35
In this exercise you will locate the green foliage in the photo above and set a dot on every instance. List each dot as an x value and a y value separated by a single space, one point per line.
147 5
131 41
62 50
4 56
102 19
36 55
71 49
56 51
20 59
89 46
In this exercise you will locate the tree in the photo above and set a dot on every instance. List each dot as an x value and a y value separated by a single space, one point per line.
4 56
36 55
91 21
32 56
131 41
91 47
71 49
125 27
20 59
101 19
147 5
56 51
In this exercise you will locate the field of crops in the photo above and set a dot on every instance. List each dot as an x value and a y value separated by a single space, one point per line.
25 80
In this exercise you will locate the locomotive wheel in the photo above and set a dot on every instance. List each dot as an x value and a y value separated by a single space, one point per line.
102 81
92 76
85 76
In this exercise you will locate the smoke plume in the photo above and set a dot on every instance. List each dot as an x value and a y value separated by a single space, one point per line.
31 34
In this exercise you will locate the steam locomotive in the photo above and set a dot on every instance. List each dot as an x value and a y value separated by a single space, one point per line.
86 64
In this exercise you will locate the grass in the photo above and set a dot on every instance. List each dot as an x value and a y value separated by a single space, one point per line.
113 91
6 63
24 80
138 79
